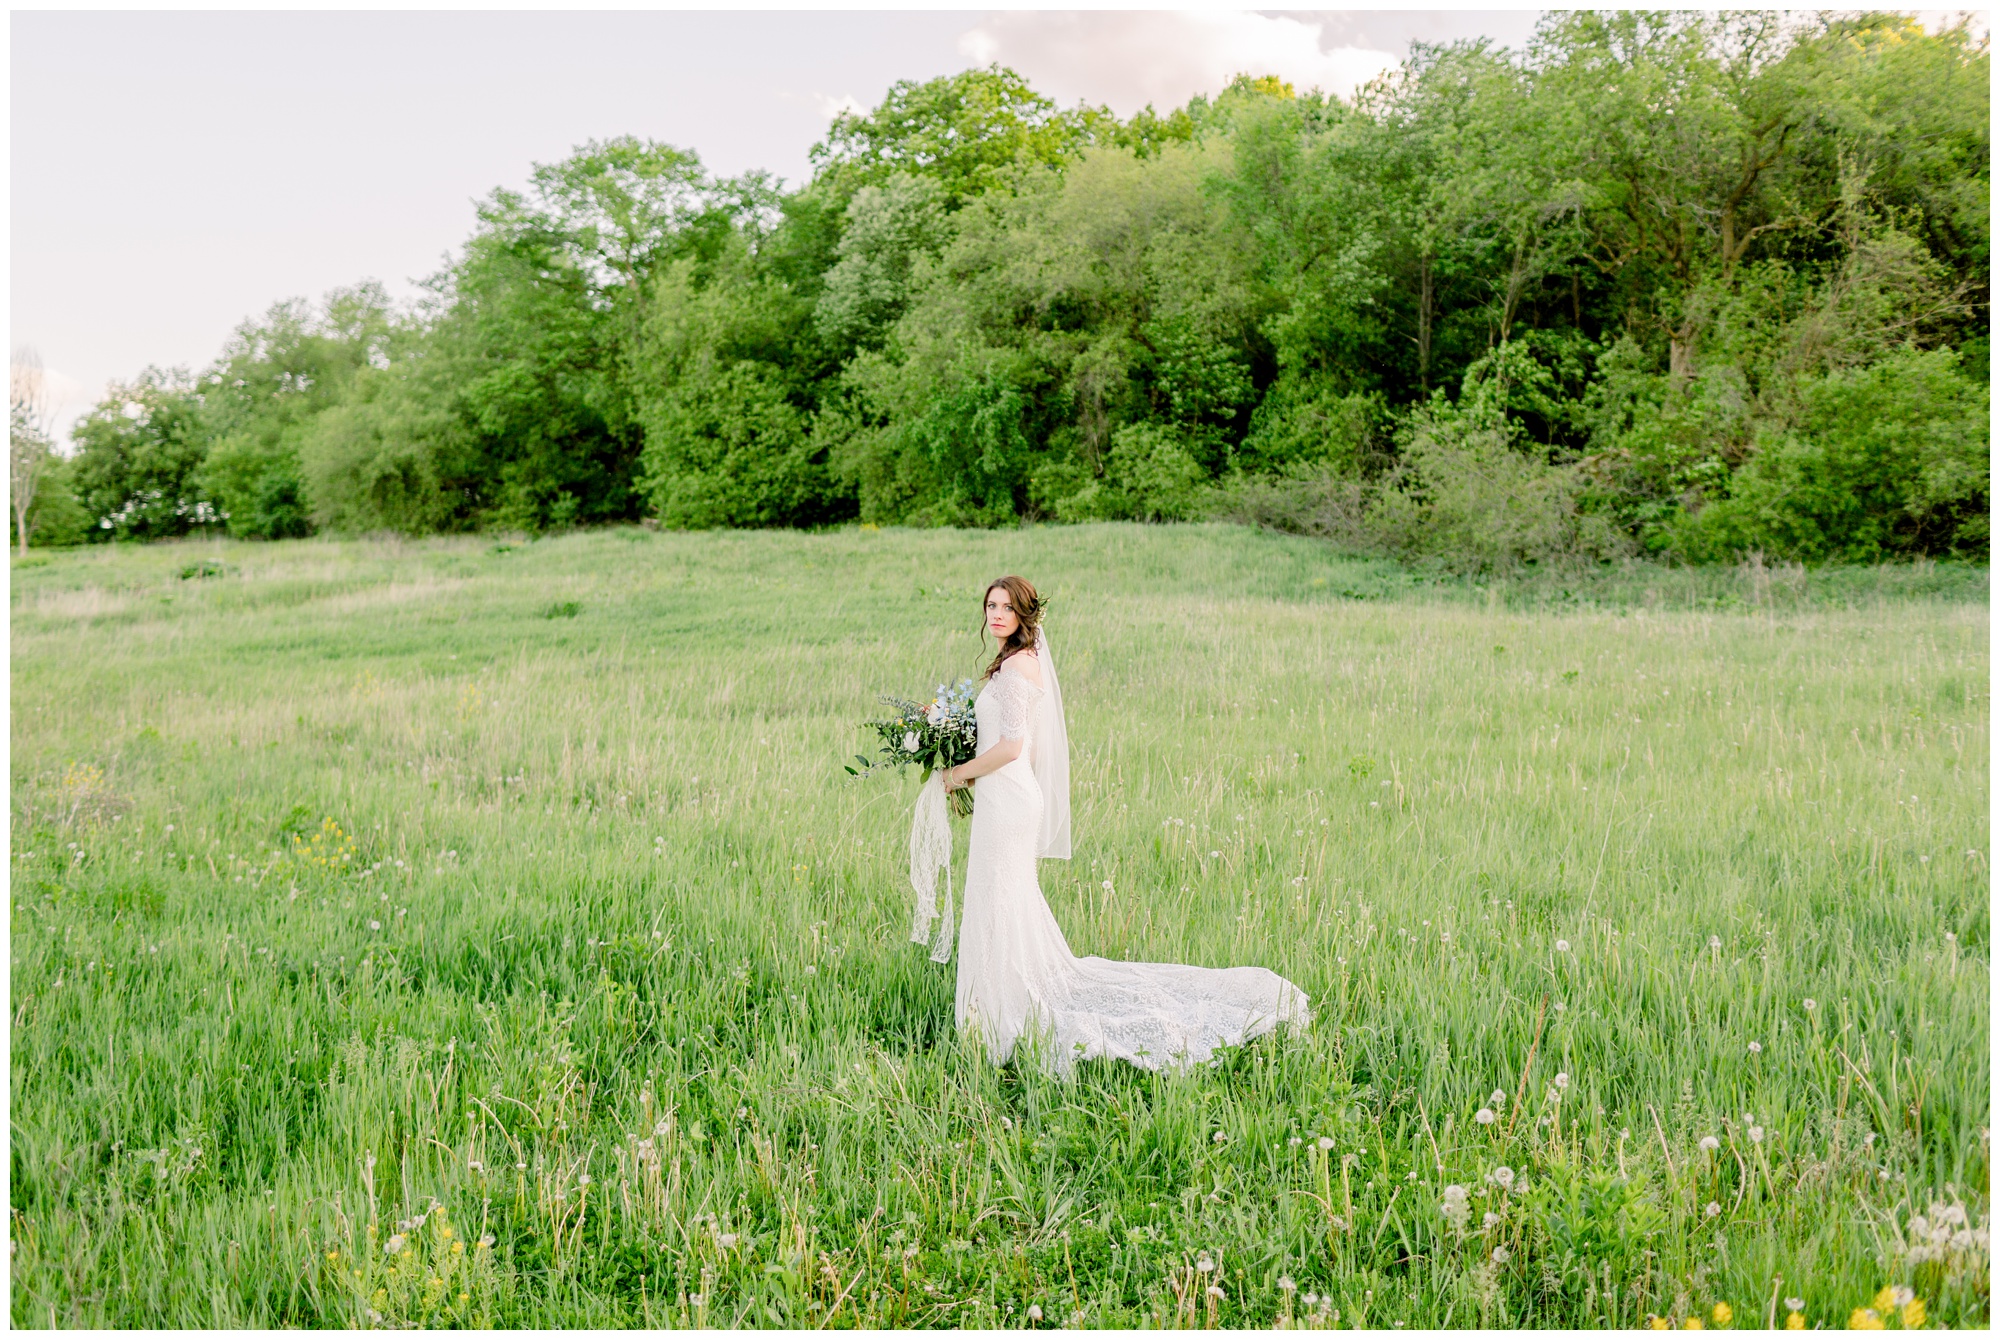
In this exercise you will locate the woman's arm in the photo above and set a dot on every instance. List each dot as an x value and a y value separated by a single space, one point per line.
1003 752
1007 748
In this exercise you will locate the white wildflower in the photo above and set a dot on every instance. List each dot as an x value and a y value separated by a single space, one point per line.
1484 1116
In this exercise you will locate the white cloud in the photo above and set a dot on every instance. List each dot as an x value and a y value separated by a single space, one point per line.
830 107
1130 59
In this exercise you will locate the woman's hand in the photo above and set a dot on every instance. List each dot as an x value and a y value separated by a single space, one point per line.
951 782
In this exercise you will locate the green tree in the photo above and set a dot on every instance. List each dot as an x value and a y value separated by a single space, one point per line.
274 378
139 456
971 132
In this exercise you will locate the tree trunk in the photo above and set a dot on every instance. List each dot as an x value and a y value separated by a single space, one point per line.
1680 354
1426 296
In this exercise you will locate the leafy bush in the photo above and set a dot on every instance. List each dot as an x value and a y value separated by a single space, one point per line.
1150 475
1463 494
1884 460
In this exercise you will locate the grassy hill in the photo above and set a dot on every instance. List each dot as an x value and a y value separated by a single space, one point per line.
509 899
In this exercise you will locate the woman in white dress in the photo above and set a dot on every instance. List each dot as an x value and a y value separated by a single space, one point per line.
1018 982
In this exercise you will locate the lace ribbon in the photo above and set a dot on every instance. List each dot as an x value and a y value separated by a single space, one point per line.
930 853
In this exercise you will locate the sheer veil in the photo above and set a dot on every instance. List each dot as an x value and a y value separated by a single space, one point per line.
1051 755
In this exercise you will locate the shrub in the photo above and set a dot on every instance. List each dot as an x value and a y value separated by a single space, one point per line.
1876 462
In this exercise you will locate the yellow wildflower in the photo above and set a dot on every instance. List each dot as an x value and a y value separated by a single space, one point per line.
1795 1321
1693 1324
1913 1313
1722 1314
1658 1323
1864 1319
1886 1300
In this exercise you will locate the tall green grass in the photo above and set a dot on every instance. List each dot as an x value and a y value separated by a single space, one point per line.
522 881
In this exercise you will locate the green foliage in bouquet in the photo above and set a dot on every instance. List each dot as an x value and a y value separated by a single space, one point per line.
941 733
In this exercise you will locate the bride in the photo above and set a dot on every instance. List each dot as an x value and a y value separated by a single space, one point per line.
1018 982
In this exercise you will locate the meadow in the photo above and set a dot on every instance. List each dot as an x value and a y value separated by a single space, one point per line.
484 932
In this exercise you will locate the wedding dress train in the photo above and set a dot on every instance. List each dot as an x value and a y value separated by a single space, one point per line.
1017 978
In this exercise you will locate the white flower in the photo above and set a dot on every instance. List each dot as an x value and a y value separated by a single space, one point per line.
1715 942
1285 1284
1794 1304
1204 1263
1484 1116
1756 1135
1502 1177
1490 1220
1325 1143
1454 1192
1756 1047
1294 1142
725 1240
1710 1143
1501 1255
1220 1137
1711 1209
1562 946
1034 1312
394 1244
1215 1291
1902 1295
1810 1004
1562 1079
1107 886
909 742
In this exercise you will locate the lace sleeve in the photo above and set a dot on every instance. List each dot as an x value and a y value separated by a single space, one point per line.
1016 694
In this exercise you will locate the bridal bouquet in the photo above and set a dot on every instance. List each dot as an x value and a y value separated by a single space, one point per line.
941 733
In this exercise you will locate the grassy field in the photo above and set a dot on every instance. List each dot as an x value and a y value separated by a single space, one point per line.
472 932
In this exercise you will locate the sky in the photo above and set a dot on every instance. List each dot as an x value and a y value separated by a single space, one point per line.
174 174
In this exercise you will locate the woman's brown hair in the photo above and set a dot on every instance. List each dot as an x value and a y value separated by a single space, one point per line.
1027 608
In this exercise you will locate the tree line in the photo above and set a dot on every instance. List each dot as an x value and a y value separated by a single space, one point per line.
1686 285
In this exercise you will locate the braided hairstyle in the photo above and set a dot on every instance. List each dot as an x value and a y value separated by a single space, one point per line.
1028 608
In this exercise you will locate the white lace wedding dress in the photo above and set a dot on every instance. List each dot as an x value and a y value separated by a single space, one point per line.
1019 983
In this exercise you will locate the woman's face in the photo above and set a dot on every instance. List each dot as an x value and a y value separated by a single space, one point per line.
1001 620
